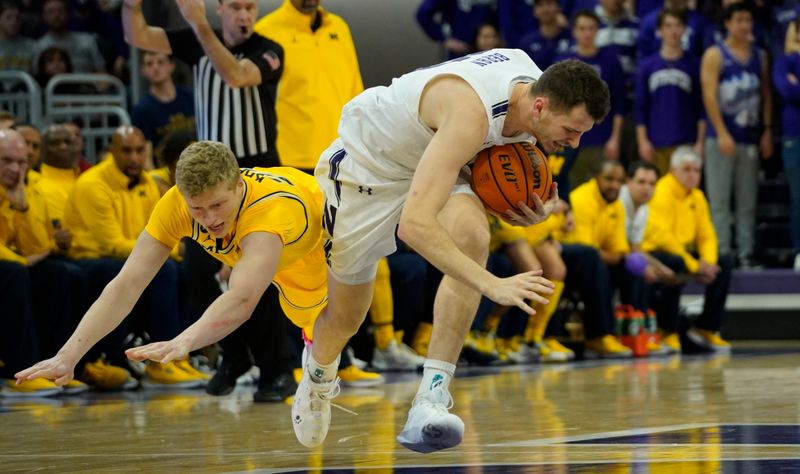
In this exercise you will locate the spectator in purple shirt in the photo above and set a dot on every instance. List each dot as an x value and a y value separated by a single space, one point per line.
667 91
649 39
454 23
550 39
786 76
603 140
515 19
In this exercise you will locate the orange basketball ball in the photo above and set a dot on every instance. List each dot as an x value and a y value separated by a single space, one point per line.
504 175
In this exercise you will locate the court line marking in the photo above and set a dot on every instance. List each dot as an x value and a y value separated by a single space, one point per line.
532 463
605 434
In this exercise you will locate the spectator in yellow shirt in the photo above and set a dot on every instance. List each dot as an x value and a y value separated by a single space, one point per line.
32 288
680 233
600 224
265 223
108 208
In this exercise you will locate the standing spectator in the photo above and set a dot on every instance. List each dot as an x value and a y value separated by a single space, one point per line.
786 75
736 92
650 35
679 233
453 23
236 74
603 140
515 20
81 47
166 107
17 53
550 39
618 27
667 90
320 74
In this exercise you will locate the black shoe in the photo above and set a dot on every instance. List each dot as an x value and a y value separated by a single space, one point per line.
276 390
224 381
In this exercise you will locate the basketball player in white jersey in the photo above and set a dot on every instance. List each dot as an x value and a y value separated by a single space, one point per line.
399 165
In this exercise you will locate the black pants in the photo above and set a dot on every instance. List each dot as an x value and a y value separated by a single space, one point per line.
632 288
665 299
18 345
156 312
589 275
262 338
60 291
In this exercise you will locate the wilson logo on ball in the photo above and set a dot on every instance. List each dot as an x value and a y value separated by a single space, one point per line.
504 175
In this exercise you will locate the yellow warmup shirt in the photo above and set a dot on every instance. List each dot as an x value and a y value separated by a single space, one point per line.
55 186
21 233
680 223
104 215
161 176
282 201
598 223
320 75
32 177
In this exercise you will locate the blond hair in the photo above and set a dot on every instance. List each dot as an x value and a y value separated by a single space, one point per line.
203 166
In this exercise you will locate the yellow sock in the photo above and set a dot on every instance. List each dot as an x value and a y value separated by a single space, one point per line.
422 338
382 311
537 324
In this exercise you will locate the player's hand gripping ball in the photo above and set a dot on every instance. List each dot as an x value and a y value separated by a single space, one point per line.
504 175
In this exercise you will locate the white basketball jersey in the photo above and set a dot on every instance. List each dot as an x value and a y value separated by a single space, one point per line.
382 130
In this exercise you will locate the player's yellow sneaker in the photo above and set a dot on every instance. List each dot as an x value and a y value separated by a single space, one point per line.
39 387
607 347
74 387
104 376
558 352
710 340
187 367
170 375
352 376
672 341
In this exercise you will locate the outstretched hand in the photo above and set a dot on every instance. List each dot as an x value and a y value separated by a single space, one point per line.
539 213
57 369
162 352
193 11
517 290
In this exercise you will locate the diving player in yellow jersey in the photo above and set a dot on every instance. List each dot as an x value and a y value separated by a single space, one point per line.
264 222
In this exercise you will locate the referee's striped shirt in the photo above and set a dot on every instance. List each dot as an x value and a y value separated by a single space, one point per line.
242 118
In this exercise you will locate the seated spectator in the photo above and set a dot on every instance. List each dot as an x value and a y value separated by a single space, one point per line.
33 142
167 154
59 174
454 23
600 224
166 107
107 210
102 20
17 53
7 120
77 141
667 90
551 39
32 288
81 47
680 234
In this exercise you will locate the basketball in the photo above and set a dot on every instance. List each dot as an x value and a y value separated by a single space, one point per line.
504 175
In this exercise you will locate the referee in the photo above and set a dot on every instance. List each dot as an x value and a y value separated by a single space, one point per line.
236 74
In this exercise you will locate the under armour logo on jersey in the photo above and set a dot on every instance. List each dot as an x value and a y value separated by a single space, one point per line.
362 190
272 59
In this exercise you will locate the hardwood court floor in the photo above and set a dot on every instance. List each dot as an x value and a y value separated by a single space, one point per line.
690 414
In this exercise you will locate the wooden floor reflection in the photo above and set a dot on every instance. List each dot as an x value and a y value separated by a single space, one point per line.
738 413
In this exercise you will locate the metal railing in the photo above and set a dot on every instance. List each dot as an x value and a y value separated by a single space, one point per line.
21 96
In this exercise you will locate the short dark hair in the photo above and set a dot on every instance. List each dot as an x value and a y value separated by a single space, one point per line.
678 13
170 147
587 14
642 165
735 8
601 165
572 83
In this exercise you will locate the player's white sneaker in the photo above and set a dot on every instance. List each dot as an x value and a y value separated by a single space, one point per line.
430 427
311 410
396 357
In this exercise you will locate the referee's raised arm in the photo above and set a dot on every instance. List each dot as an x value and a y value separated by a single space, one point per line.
138 33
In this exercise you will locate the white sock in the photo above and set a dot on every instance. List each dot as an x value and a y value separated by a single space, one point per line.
319 372
437 373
